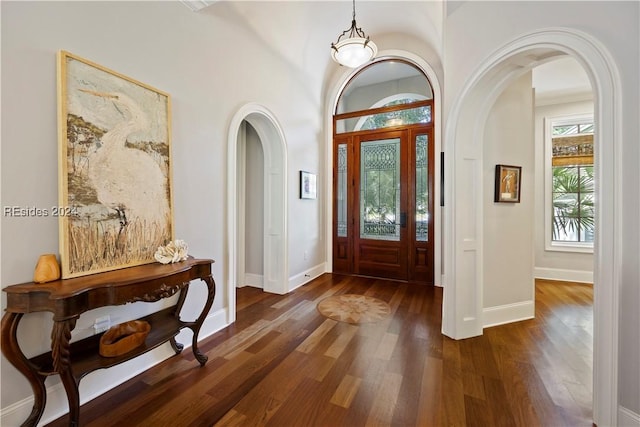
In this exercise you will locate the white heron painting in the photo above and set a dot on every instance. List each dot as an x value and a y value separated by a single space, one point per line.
115 171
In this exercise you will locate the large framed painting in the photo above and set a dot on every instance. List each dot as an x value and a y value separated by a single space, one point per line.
114 168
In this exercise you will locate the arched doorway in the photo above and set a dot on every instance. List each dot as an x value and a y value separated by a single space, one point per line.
462 304
333 95
383 183
271 136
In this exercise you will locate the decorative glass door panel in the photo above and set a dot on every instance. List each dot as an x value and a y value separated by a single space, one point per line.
342 202
380 213
422 188
342 188
380 190
421 255
383 204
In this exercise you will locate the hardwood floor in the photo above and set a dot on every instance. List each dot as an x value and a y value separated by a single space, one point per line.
283 364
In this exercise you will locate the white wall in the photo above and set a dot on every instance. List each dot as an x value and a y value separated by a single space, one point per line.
186 54
555 265
167 46
476 30
254 208
508 227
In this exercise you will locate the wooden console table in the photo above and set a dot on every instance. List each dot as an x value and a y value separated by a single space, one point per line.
68 299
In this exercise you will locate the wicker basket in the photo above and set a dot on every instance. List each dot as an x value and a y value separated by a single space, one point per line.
123 338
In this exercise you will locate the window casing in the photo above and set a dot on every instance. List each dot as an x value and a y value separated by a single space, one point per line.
569 187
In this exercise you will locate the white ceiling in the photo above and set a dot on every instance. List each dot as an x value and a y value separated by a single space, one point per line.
562 78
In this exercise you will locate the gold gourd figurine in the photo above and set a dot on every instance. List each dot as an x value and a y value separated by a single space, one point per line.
47 269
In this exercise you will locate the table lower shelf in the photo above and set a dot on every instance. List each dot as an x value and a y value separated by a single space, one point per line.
85 357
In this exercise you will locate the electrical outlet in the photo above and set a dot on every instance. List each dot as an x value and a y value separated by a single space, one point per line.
101 324
306 254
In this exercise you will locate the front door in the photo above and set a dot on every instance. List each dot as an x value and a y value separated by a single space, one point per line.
383 204
380 205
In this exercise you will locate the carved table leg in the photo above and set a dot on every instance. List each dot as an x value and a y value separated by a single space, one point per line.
211 287
14 355
175 345
73 396
181 298
61 354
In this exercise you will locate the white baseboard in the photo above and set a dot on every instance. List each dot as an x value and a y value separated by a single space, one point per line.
254 280
508 313
627 418
103 380
307 276
563 275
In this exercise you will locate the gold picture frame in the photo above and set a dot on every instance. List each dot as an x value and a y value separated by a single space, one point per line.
507 185
115 192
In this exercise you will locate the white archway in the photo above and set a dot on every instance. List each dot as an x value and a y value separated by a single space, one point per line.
331 104
275 201
462 302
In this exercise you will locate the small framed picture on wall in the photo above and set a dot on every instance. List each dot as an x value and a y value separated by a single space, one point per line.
507 188
308 186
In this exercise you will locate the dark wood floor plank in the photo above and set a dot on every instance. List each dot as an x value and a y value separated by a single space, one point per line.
384 401
430 396
305 406
259 404
517 396
453 403
346 391
283 364
476 413
309 344
251 296
495 392
233 418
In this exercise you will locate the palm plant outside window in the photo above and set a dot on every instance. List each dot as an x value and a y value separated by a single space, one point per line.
572 183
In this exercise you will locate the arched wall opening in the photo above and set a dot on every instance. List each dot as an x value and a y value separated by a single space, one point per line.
275 274
463 235
332 102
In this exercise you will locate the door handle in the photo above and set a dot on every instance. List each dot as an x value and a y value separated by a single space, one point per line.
403 219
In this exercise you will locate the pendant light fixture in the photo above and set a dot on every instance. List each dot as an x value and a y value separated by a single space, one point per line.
354 50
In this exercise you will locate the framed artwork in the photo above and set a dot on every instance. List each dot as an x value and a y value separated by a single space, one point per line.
114 168
308 184
507 187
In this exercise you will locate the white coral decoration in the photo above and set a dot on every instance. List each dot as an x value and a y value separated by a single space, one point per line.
175 251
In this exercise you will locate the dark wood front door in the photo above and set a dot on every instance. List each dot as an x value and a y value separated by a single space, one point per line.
380 205
383 204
